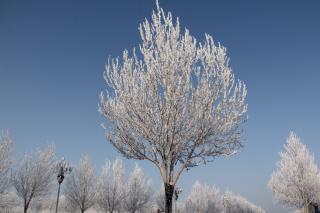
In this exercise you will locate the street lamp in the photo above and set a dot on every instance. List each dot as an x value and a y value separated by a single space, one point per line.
62 168
177 191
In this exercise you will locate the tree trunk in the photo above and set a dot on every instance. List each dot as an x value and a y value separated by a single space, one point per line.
26 206
306 208
168 191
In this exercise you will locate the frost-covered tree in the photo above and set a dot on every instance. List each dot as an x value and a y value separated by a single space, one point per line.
35 176
81 186
5 164
206 199
38 205
138 191
296 182
176 103
111 187
233 203
8 200
203 199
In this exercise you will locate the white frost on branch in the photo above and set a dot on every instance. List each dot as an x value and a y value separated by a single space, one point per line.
233 203
9 200
203 199
296 182
35 176
81 186
111 191
206 199
138 191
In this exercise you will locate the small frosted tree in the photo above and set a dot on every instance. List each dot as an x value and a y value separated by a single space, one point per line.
176 103
233 203
111 187
296 182
9 201
138 191
81 186
206 199
35 176
203 199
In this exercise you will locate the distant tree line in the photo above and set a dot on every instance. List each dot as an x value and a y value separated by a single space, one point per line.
30 186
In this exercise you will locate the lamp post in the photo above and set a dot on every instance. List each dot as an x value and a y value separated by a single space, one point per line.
63 168
177 191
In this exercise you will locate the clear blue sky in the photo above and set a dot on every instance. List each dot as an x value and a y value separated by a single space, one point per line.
52 57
